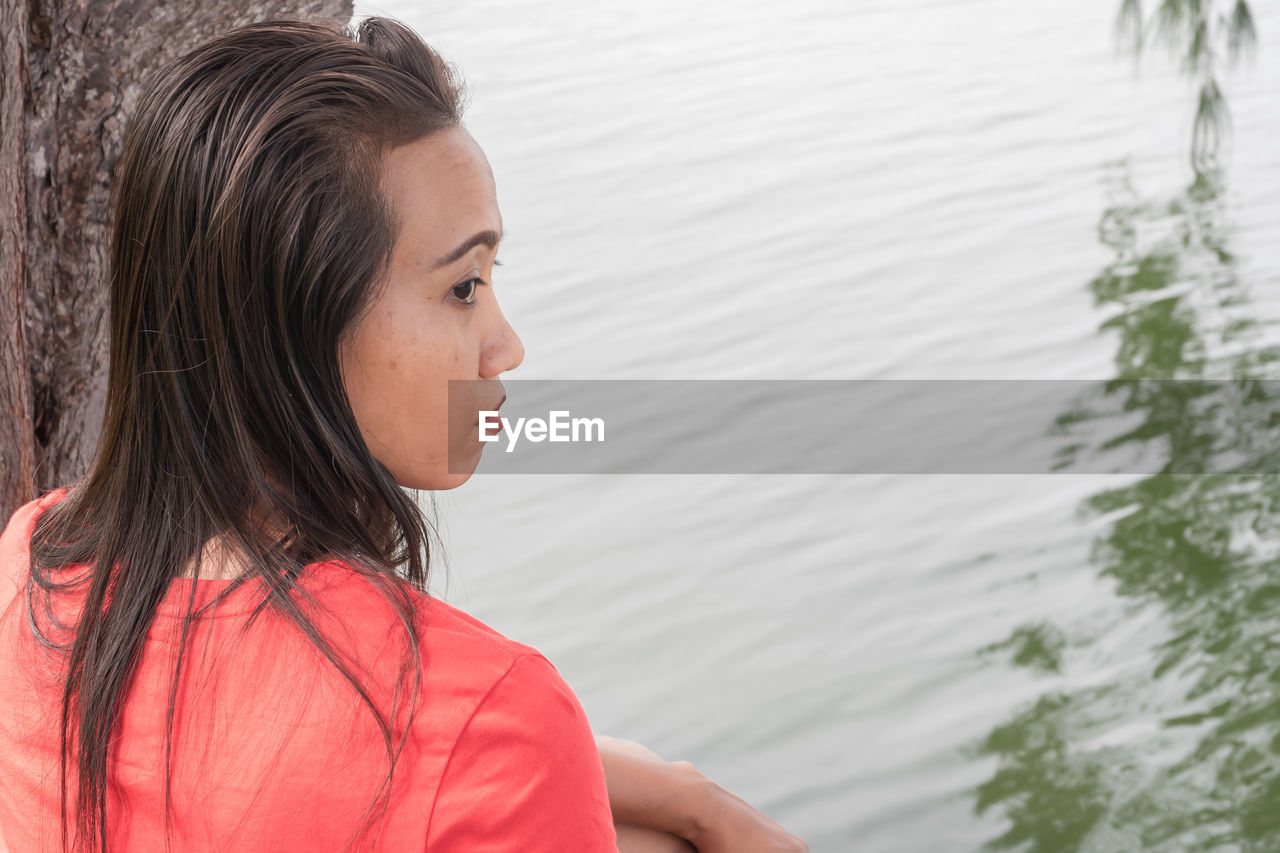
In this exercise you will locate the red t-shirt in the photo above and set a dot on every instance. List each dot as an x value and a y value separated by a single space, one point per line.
274 751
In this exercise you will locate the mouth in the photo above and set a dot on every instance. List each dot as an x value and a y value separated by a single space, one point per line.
494 421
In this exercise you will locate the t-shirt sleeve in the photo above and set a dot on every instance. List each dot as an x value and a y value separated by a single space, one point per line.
525 773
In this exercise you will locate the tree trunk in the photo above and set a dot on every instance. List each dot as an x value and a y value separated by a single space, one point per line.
70 76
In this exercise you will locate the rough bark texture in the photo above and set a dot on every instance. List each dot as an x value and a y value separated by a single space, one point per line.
70 76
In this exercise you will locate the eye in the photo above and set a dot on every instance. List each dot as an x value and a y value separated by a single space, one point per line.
466 292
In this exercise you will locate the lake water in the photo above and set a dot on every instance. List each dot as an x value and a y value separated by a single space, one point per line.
893 189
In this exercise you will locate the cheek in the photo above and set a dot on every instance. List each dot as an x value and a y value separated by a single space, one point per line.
401 350
398 367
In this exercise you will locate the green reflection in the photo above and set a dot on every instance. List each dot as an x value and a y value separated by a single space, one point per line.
1037 647
1185 754
1180 752
1207 37
1052 793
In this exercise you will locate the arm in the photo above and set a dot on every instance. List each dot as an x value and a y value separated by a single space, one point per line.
674 797
646 791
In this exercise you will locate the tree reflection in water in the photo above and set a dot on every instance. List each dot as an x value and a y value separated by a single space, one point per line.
1182 751
1077 770
1207 37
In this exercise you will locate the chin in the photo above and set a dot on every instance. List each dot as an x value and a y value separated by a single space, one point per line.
436 480
449 481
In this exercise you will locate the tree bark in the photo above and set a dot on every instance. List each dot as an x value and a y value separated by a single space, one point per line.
70 76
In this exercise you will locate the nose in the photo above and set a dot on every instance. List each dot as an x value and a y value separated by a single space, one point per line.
503 351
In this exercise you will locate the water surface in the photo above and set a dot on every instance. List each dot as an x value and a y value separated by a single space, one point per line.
890 189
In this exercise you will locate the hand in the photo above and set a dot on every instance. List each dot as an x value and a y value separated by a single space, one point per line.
726 823
673 797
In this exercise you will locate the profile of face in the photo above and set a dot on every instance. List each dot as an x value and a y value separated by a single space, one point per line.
434 319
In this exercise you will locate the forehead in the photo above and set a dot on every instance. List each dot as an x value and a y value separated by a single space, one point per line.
442 189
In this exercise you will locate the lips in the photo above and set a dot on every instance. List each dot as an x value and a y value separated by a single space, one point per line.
493 421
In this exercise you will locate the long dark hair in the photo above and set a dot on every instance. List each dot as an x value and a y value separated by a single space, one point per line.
248 233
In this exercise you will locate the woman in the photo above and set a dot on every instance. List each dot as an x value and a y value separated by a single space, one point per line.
220 638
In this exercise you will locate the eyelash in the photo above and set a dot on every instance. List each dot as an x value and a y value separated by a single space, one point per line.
479 282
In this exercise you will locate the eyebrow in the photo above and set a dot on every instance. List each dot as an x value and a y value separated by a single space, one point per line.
488 238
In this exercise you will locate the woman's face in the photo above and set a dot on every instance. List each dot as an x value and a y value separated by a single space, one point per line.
436 317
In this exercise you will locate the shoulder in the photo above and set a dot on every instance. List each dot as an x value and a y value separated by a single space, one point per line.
458 653
15 543
483 671
459 660
17 532
502 755
447 621
369 614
